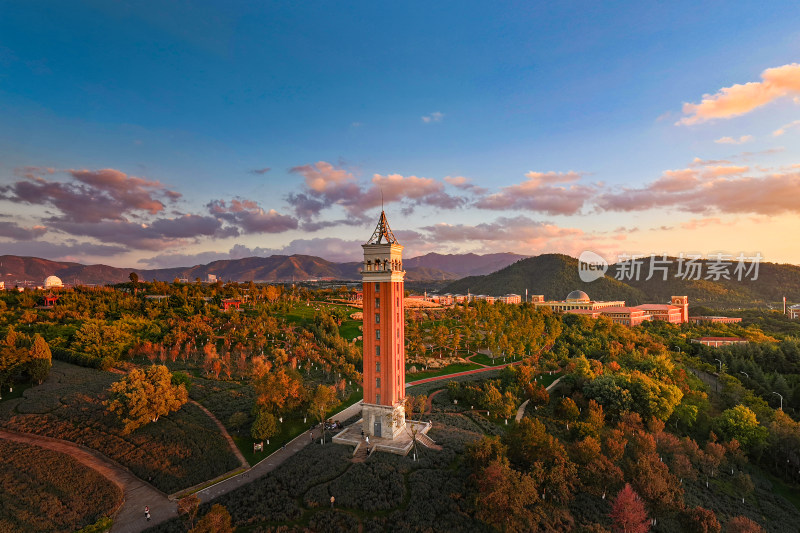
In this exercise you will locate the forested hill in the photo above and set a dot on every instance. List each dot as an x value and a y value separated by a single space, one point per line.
555 275
17 270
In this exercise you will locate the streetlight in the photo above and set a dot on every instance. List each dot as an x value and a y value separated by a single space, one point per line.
720 364
781 396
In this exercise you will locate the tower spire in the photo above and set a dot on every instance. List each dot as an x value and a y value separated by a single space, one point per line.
382 231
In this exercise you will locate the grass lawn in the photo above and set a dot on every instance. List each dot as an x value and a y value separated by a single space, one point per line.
449 369
292 426
484 359
19 388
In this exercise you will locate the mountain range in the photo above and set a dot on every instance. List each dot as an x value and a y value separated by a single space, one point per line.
18 270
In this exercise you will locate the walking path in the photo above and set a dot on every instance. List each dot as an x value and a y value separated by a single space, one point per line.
224 432
521 410
429 402
136 493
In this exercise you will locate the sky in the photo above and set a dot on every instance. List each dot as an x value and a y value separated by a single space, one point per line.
159 134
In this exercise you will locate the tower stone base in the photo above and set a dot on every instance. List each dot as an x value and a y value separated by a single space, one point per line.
383 421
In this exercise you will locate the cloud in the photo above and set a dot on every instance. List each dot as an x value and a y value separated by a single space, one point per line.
260 171
327 185
419 191
730 140
67 250
465 184
538 193
433 117
780 131
697 223
160 234
92 195
711 189
251 217
740 99
12 230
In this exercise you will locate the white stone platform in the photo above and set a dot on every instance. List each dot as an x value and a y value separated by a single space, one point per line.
400 445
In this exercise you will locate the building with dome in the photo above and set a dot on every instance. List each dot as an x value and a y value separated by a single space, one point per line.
53 282
575 301
579 303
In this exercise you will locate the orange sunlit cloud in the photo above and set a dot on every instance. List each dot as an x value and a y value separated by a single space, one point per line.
739 99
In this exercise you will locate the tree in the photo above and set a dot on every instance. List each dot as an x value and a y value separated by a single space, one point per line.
264 426
702 520
742 524
322 400
740 423
143 396
627 512
216 520
134 277
279 390
189 506
41 359
569 410
237 420
504 497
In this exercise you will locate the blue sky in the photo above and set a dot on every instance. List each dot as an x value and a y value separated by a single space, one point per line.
138 134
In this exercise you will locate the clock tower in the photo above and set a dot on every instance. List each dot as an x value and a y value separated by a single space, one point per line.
383 412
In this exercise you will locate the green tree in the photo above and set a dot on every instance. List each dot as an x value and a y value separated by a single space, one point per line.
142 397
740 423
265 425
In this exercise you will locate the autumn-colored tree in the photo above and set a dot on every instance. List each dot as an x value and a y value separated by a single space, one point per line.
701 520
189 506
322 400
41 359
485 450
628 514
742 524
216 520
279 390
537 394
505 497
143 396
568 410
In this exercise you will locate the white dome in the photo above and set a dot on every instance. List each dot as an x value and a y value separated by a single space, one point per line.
53 281
577 296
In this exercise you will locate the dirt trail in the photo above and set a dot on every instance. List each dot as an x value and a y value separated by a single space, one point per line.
130 517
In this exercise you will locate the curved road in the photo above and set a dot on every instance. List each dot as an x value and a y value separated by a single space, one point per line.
136 493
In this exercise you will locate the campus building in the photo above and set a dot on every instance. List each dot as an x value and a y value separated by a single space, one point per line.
579 303
793 311
707 319
574 300
716 342
384 337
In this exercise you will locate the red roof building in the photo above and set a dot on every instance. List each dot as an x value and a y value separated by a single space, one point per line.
713 320
716 342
